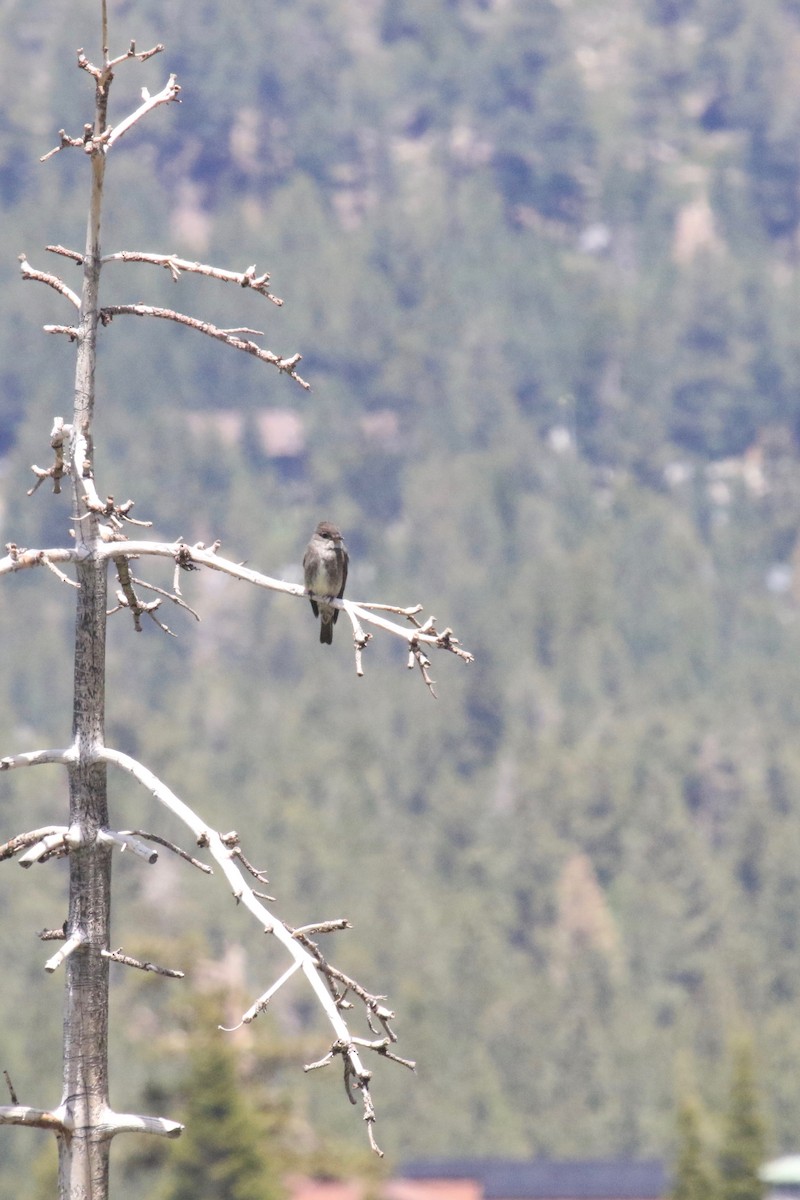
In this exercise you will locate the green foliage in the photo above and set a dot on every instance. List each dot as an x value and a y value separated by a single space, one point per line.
225 1150
743 1143
692 1178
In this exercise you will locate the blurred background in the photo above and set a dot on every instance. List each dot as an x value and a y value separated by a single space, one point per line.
541 260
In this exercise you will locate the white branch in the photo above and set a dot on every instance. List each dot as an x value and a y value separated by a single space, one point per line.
127 842
69 947
21 840
264 999
53 281
244 894
53 840
116 1122
286 365
168 93
176 266
357 612
23 1114
18 559
33 758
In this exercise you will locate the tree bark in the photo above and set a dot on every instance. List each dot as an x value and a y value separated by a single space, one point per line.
84 1150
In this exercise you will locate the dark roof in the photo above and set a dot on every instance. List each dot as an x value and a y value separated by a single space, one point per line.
545 1179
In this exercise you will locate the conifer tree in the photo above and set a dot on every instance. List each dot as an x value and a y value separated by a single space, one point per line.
743 1142
222 1152
693 1179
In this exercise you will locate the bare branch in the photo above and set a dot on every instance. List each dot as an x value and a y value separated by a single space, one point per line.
65 141
231 840
199 555
75 255
176 266
70 331
112 1123
132 52
70 946
190 557
59 435
23 1114
21 840
34 758
59 574
175 597
310 962
286 365
118 957
154 837
100 143
322 927
263 1000
53 844
128 842
18 557
167 95
115 1123
415 656
53 935
127 596
52 281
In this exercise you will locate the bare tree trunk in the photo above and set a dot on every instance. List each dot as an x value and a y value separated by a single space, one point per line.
84 1152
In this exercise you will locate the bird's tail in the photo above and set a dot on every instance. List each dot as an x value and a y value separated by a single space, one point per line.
326 631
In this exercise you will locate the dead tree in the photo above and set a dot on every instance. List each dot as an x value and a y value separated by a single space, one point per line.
84 1122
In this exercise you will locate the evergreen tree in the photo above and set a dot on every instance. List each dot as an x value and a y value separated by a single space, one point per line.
221 1154
743 1144
693 1179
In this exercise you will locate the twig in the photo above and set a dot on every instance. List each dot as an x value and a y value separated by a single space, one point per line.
416 657
263 1000
52 281
322 927
118 957
231 840
59 574
132 52
64 140
75 255
175 597
176 266
53 935
70 331
154 837
286 365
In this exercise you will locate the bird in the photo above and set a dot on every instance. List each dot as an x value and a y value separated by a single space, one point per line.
325 572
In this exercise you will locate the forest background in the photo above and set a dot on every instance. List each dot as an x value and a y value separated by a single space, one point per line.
541 260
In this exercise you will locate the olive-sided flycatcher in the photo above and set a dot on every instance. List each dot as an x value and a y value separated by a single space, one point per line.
325 569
